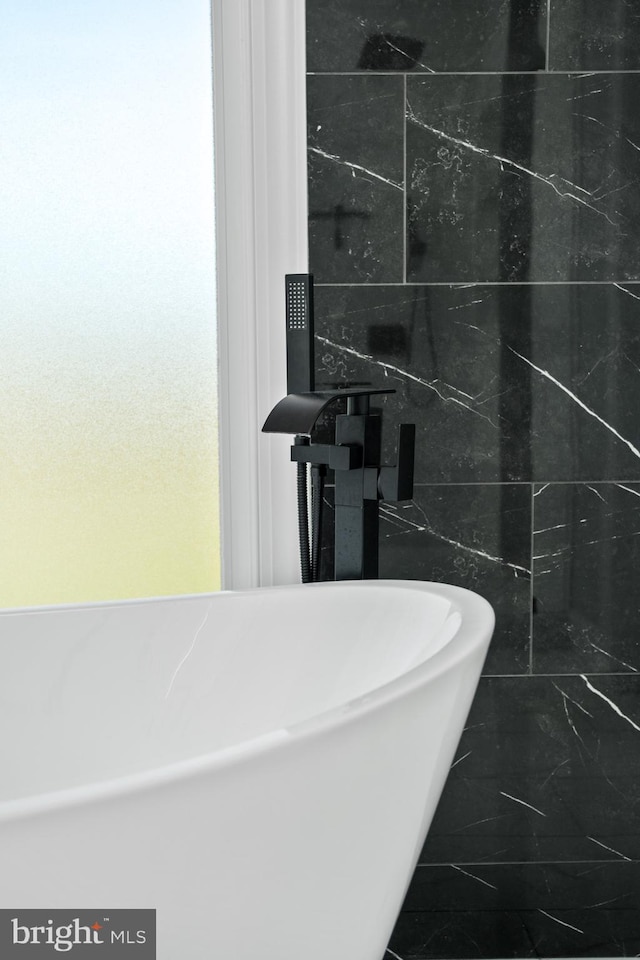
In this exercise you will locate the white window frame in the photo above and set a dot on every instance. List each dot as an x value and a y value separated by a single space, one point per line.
261 234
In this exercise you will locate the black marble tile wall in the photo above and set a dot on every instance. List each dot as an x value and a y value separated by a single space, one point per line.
592 35
346 36
587 621
534 184
508 382
552 768
474 228
477 536
356 131
521 910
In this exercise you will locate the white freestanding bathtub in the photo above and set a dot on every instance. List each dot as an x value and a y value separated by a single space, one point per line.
259 767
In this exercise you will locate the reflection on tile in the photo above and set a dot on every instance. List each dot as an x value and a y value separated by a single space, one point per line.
594 36
356 178
586 572
521 910
450 35
523 178
585 378
477 537
503 383
439 349
548 768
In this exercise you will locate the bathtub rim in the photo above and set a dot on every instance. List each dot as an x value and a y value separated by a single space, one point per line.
467 640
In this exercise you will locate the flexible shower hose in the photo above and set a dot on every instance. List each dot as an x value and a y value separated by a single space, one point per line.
310 551
303 524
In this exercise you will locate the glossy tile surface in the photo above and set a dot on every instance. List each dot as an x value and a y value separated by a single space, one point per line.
548 769
356 178
425 35
521 910
475 536
491 376
594 35
508 322
586 558
523 178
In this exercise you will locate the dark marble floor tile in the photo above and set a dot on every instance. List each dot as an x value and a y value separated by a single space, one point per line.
548 768
586 574
594 35
504 383
521 910
356 178
426 35
523 178
476 536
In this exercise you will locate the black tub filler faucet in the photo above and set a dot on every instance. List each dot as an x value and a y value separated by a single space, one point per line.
360 480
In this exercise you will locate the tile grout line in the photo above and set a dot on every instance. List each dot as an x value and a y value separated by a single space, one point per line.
550 676
404 193
531 597
515 863
548 51
471 73
459 284
517 483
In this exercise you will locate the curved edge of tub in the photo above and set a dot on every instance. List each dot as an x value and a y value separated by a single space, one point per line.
474 630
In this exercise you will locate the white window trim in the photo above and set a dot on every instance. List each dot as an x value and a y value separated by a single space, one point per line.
261 227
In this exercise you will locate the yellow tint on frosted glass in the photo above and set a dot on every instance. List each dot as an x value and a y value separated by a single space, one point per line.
108 443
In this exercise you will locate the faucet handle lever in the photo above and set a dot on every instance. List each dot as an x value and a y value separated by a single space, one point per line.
343 456
396 483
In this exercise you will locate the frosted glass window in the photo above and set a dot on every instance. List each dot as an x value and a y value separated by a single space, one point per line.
108 440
